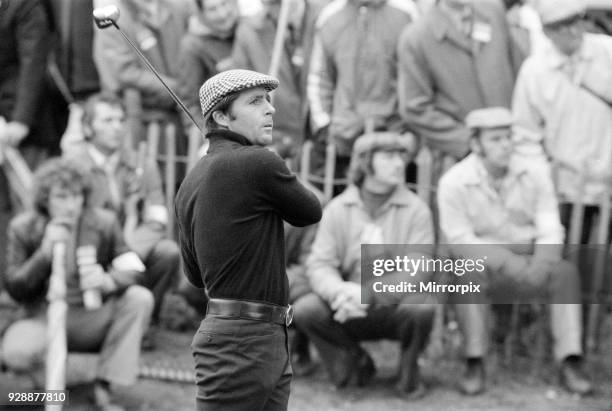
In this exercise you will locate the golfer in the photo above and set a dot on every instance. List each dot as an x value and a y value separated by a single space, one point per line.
230 211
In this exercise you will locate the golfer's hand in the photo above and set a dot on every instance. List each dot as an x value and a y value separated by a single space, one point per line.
92 276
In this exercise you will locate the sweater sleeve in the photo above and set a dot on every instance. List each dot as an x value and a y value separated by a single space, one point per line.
280 187
27 273
31 27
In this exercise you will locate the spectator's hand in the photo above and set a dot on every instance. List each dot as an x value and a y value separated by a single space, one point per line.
537 272
13 132
58 230
92 276
347 304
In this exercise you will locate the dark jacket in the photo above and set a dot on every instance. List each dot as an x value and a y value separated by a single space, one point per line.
24 41
230 211
28 270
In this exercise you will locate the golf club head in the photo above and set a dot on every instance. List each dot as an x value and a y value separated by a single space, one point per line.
106 16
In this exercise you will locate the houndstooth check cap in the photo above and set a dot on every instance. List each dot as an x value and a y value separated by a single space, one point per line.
231 81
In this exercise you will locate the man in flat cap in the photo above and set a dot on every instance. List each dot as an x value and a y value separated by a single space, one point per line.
230 211
494 208
562 107
376 208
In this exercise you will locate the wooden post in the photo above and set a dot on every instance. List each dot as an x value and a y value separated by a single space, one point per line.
592 340
57 352
133 112
279 39
330 171
170 176
153 133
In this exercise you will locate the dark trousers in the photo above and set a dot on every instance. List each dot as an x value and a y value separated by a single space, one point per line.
337 343
162 270
241 365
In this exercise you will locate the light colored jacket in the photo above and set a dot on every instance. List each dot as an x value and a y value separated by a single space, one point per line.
336 251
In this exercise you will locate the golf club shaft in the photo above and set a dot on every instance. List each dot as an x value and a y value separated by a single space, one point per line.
150 66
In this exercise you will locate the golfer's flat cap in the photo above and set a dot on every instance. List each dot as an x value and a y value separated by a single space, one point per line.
231 81
383 140
554 11
491 117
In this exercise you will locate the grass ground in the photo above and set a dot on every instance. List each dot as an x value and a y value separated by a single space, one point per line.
511 387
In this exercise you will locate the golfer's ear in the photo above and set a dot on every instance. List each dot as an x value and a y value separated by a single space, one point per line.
220 118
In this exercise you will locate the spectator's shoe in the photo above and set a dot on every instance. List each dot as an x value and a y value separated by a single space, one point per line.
148 342
303 365
365 369
473 381
357 367
101 398
572 377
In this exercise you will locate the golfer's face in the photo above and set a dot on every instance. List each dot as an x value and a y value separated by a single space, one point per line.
251 115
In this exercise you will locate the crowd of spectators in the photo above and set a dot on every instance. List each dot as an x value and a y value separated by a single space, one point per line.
516 93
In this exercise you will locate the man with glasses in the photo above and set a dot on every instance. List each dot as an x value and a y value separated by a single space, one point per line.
562 106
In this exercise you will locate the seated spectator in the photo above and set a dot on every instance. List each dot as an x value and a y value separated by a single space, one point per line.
375 208
206 49
63 213
503 207
130 187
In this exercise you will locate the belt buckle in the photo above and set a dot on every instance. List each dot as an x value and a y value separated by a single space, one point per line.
289 316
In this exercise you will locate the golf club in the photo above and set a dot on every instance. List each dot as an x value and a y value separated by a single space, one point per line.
105 17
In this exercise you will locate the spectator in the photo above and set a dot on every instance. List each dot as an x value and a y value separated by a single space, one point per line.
562 107
511 213
206 48
63 213
24 30
353 73
375 208
457 58
253 50
156 27
132 189
73 51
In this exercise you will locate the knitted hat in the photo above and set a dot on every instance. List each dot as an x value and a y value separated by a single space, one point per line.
229 82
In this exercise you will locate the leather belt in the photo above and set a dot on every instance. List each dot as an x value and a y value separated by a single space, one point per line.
250 310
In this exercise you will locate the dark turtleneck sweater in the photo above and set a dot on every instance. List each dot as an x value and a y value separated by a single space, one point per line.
230 211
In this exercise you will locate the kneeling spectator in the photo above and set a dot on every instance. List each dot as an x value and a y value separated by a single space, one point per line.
509 213
375 208
115 327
